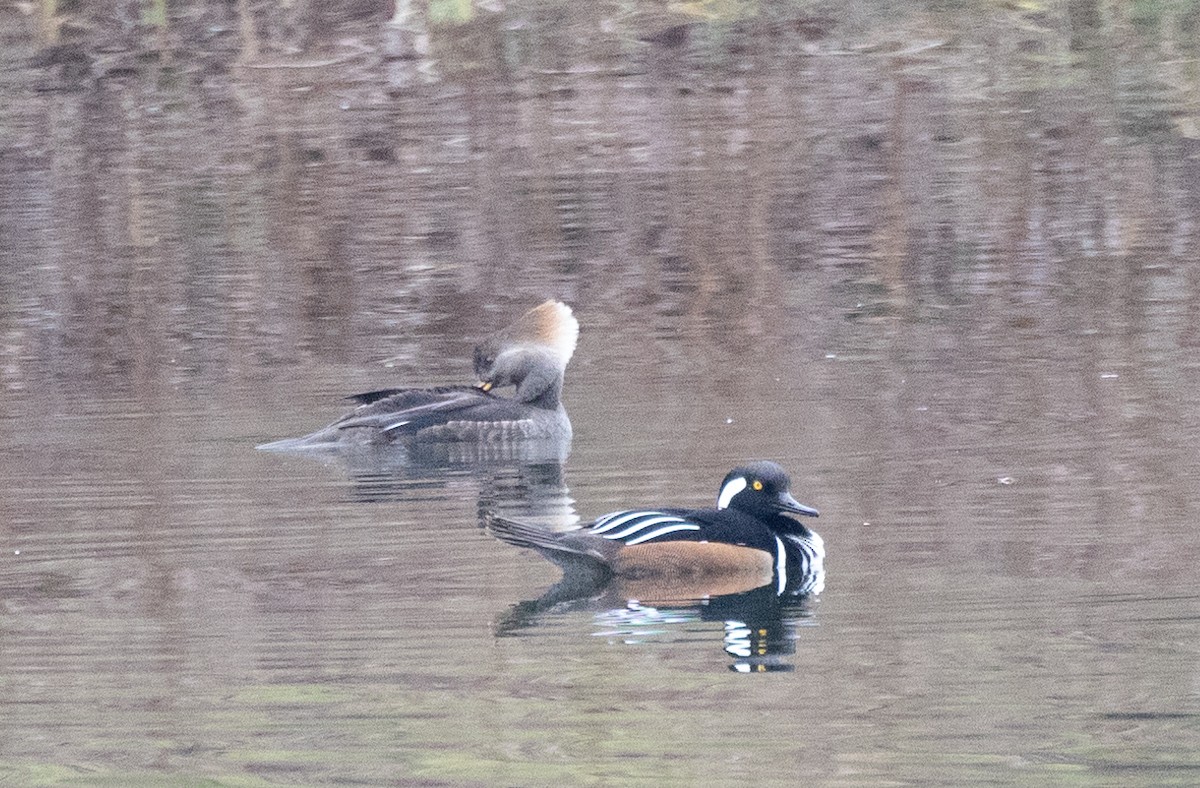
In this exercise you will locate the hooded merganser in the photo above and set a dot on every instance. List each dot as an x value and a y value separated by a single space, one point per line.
746 541
531 354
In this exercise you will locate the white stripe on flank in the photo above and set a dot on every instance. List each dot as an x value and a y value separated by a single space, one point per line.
624 518
780 564
734 487
643 523
666 529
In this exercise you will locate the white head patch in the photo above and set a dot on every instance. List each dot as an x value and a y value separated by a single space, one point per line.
731 489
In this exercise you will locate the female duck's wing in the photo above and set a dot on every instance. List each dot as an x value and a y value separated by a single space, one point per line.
413 409
367 397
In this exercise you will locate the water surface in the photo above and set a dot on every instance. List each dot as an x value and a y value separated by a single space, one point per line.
939 262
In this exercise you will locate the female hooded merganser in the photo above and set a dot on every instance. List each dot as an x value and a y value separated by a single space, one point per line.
531 354
745 542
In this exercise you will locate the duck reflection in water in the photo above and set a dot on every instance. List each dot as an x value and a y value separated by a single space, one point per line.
747 562
530 355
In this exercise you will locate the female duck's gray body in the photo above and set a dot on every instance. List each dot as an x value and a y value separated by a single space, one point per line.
531 354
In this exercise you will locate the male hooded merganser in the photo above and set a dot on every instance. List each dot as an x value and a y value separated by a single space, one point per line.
747 536
531 354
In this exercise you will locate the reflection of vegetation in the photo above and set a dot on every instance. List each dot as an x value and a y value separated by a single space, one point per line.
289 694
1163 17
45 775
154 13
717 9
49 11
450 11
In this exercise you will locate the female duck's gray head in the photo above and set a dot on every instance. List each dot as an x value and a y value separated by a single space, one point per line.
531 354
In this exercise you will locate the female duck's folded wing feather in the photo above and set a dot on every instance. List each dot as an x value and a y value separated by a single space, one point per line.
413 408
367 397
467 410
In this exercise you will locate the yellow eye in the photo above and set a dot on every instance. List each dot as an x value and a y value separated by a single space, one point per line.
757 485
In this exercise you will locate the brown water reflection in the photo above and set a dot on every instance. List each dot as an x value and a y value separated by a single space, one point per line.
936 259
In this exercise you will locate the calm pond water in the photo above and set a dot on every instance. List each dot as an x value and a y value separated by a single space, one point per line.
940 261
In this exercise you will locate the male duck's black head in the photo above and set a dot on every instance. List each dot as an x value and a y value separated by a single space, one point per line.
531 354
760 489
